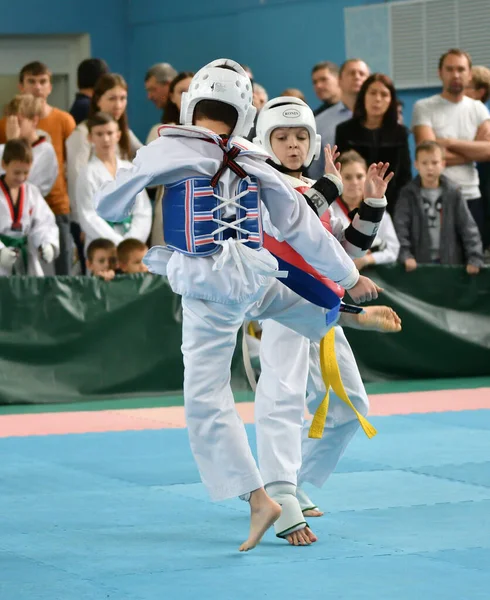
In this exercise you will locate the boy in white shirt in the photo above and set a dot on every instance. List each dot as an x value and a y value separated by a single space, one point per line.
28 231
104 134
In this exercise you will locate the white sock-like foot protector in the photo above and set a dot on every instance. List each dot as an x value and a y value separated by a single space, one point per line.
291 518
304 500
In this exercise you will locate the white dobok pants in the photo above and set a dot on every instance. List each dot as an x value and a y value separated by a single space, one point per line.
217 434
290 365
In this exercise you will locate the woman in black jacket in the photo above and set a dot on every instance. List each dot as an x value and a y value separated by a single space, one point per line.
374 132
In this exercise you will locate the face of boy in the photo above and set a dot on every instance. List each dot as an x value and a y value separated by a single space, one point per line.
135 262
16 173
102 260
430 166
37 85
105 137
291 145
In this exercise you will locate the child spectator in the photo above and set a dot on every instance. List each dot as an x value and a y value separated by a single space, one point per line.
130 254
28 230
104 134
102 259
23 114
385 246
432 220
35 79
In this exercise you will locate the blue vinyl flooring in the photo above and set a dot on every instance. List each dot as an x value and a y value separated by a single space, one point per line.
124 516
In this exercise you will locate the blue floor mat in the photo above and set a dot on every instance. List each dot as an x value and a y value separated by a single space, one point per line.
124 516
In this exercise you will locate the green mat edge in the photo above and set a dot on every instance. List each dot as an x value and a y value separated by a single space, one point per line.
391 387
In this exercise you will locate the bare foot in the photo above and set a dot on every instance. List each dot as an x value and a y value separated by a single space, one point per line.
264 512
313 512
374 318
303 537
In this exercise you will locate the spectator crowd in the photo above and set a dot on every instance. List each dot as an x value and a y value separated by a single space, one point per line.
53 162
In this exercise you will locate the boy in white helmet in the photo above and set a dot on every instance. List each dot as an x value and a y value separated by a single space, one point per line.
214 184
286 128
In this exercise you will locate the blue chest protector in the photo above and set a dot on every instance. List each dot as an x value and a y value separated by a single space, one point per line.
193 217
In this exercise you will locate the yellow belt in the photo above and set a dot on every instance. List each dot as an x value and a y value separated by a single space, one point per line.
332 379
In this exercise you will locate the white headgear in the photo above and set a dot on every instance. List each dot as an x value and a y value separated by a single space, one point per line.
287 111
231 87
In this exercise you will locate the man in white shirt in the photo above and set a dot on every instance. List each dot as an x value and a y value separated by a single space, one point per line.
458 123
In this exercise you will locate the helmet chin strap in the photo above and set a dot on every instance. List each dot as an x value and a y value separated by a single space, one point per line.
282 169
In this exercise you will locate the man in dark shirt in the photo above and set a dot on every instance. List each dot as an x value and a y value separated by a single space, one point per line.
325 80
88 72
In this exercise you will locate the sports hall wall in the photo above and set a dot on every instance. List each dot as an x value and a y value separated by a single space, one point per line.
104 20
279 39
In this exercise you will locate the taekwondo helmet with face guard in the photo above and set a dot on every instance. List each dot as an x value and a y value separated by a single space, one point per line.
287 111
231 87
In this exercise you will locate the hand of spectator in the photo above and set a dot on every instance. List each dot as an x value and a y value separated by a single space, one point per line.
12 127
8 256
377 181
364 290
472 269
46 252
106 275
364 261
331 167
410 265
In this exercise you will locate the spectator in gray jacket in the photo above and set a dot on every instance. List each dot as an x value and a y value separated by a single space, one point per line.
432 220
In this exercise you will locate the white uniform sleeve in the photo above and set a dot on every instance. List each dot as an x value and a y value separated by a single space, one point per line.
387 234
303 230
77 156
91 223
421 114
115 199
141 218
44 169
43 228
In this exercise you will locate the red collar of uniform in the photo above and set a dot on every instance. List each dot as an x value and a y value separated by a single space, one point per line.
39 140
16 210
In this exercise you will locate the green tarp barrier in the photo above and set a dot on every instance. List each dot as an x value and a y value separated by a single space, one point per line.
446 325
70 339
67 339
